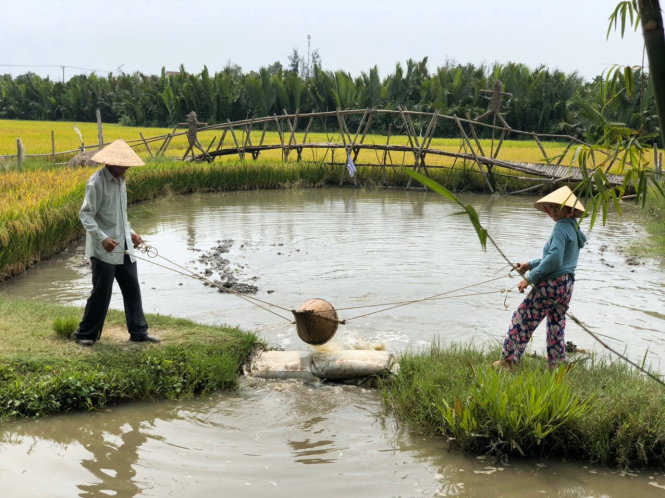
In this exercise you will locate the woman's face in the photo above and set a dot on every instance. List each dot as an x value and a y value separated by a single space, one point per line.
558 213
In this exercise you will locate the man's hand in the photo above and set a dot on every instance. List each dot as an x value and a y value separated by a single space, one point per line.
109 244
522 268
523 285
136 239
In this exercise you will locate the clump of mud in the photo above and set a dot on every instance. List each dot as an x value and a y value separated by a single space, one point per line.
218 270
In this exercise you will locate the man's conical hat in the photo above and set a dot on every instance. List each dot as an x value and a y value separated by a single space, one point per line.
561 197
118 153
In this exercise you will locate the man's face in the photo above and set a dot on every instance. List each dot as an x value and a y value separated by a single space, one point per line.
117 171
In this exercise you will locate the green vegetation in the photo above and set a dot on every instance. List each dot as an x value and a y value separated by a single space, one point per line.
64 327
41 374
543 100
590 410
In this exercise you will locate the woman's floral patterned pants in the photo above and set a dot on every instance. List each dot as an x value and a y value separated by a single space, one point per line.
550 299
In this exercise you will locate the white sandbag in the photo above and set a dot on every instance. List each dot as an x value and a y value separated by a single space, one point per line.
351 364
307 365
282 365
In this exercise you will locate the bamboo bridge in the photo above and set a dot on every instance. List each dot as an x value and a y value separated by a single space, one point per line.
247 139
235 138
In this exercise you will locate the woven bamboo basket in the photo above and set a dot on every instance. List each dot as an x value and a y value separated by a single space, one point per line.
316 321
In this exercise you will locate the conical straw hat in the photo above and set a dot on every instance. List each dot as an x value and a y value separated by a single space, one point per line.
118 153
561 197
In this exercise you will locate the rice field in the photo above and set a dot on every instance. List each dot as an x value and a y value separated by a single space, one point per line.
36 138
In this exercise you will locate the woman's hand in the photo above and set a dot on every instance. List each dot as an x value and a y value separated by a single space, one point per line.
522 268
523 285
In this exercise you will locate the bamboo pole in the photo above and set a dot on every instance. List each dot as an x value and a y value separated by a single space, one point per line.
468 143
52 146
220 144
241 155
565 151
147 146
540 146
304 138
100 132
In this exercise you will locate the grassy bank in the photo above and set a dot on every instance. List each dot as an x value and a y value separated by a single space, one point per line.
593 411
42 374
654 246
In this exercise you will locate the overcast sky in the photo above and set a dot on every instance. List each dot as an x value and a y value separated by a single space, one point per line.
352 35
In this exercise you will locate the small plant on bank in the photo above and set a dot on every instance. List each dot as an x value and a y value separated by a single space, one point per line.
504 412
64 327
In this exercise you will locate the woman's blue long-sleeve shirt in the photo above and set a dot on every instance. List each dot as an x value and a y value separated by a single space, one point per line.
560 252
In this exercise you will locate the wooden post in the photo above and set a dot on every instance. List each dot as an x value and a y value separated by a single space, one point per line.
212 142
100 133
20 152
278 124
540 146
495 153
304 138
475 136
166 143
147 146
657 161
52 146
220 144
570 143
473 152
241 154
413 142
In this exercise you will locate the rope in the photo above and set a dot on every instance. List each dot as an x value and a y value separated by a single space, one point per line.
443 295
152 253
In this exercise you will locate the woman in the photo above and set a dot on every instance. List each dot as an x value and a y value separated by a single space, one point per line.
552 278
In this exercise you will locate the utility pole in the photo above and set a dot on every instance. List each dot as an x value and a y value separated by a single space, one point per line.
309 38
63 73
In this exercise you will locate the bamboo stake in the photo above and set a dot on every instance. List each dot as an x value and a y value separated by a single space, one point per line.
212 142
540 146
166 143
473 152
220 144
147 146
241 155
475 136
564 153
52 146
304 138
100 133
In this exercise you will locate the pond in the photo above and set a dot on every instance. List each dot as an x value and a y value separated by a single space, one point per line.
362 251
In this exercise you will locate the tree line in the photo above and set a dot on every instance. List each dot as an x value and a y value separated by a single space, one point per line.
542 100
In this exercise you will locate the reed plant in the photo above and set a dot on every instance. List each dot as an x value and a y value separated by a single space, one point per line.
599 412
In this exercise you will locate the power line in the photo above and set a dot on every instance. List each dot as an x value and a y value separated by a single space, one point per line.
61 66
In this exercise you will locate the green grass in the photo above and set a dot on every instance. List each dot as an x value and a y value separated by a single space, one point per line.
597 412
42 374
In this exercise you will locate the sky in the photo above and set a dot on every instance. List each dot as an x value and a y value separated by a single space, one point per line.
350 35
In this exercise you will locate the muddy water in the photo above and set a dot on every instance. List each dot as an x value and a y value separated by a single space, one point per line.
353 248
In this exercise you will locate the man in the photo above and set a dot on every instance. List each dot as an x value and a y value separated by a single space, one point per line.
110 243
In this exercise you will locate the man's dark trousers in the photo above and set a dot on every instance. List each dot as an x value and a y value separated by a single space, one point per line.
97 306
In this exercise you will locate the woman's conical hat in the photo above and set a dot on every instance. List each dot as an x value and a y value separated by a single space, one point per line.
118 153
561 197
